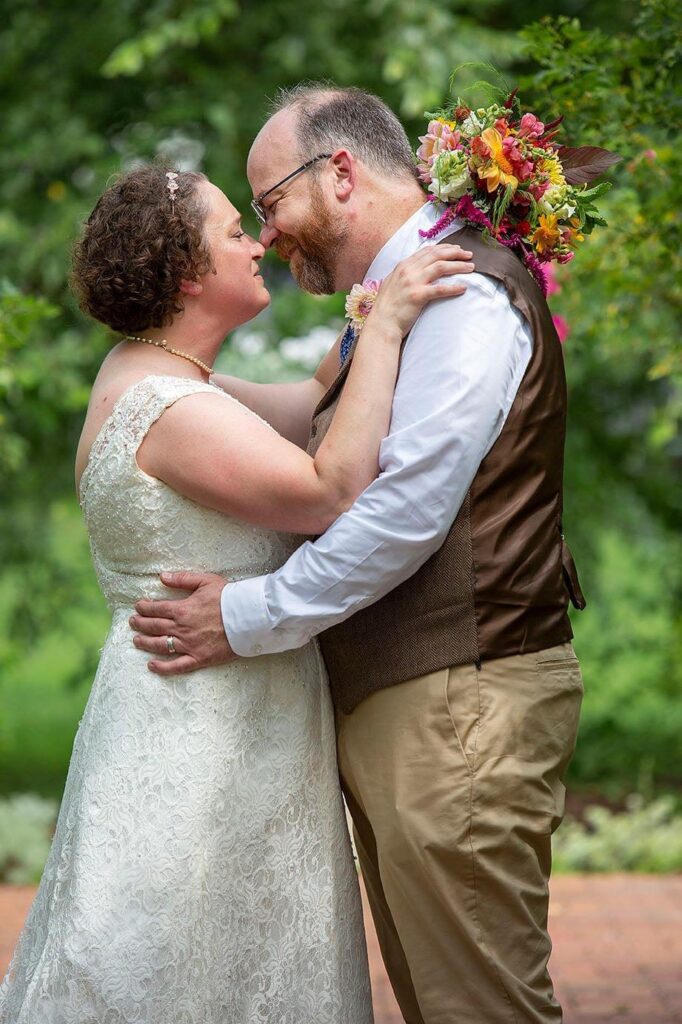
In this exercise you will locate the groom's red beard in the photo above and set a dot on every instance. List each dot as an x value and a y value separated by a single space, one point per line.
313 255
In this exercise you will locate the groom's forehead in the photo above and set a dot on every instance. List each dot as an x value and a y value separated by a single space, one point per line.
272 152
264 173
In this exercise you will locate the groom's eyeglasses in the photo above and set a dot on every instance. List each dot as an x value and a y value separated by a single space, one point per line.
257 204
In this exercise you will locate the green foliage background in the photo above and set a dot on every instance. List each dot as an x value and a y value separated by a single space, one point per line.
88 89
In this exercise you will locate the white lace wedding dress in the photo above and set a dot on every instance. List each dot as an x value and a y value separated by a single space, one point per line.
201 871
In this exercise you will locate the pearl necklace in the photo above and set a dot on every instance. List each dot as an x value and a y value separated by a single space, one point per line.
173 351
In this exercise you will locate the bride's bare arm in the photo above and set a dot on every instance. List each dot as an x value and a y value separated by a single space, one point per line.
288 407
217 453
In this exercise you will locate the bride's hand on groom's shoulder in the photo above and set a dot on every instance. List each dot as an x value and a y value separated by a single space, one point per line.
184 634
433 272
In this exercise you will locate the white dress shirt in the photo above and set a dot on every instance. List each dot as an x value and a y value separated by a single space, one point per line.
461 368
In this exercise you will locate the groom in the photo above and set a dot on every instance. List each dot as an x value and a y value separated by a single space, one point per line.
441 596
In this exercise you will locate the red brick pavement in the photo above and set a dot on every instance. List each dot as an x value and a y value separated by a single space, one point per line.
617 948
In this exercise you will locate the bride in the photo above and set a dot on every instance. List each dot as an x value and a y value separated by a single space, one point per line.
201 871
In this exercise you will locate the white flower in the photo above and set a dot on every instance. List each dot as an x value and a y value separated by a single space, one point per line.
471 125
565 212
360 300
450 176
555 200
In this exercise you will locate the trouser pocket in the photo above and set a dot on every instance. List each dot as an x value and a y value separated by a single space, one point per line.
463 701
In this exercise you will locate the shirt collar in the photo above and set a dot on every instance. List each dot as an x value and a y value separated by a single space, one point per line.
407 239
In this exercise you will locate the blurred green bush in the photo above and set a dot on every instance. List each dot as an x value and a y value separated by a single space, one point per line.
645 837
128 82
26 826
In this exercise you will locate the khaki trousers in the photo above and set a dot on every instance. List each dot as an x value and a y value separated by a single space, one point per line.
455 785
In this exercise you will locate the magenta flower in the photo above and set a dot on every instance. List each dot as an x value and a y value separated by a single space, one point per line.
444 221
537 269
466 209
562 328
530 127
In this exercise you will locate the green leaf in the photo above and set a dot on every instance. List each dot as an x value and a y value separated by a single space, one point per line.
501 205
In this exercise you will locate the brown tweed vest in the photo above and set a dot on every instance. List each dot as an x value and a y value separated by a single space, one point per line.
501 582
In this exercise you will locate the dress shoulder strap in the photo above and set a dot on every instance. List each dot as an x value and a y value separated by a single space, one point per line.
141 405
133 414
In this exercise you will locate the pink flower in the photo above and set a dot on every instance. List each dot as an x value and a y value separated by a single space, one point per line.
530 127
562 328
439 137
539 188
553 285
479 147
511 148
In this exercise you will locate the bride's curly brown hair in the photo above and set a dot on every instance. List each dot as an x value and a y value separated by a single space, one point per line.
138 246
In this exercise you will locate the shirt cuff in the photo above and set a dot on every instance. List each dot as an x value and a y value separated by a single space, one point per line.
246 619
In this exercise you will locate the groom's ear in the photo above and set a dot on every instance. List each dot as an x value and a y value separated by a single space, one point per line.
345 172
191 287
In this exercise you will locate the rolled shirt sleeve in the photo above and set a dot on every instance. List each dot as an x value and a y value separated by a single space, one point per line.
461 368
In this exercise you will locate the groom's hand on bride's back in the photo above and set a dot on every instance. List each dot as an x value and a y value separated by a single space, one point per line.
194 623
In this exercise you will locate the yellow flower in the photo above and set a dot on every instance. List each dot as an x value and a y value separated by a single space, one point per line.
497 170
546 236
550 166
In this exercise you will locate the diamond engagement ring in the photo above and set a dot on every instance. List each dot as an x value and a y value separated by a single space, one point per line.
170 644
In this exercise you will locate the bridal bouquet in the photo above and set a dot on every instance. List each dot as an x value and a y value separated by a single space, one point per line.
501 170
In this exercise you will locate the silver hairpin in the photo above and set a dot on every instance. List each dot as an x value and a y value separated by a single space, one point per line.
172 187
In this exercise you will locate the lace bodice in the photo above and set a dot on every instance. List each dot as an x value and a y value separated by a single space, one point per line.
138 526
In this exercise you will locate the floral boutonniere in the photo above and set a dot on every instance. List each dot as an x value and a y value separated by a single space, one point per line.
360 300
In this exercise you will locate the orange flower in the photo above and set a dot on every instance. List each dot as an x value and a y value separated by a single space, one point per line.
573 235
497 170
546 236
577 234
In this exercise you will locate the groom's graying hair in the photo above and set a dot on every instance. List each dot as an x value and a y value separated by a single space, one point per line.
329 117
